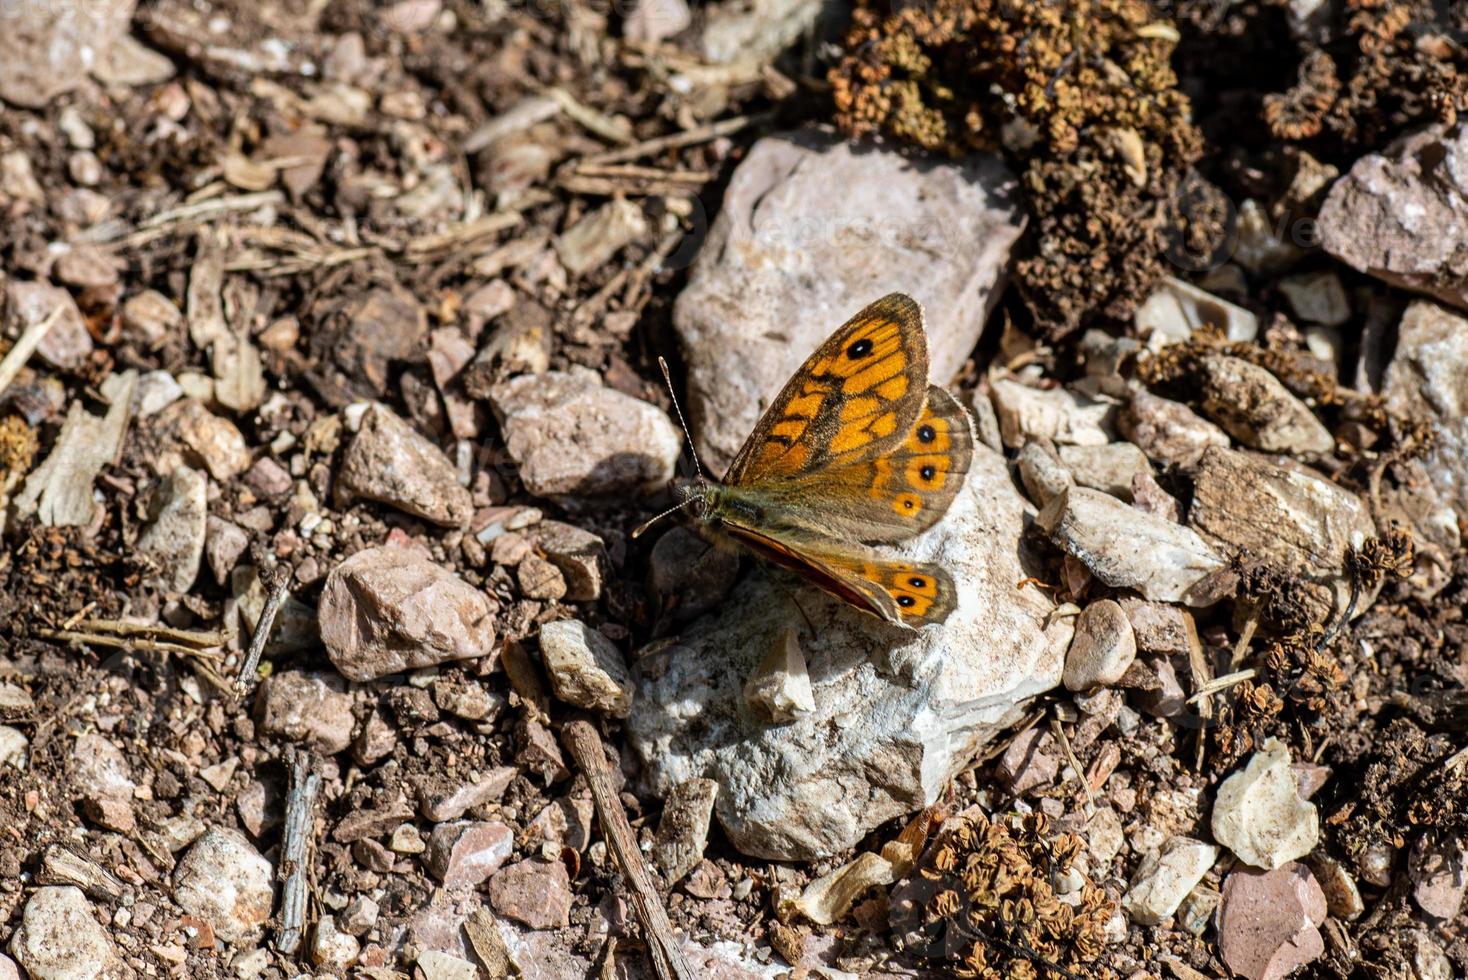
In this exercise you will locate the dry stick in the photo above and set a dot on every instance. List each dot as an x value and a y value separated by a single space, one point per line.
262 628
29 340
1202 675
293 863
1058 731
702 134
586 748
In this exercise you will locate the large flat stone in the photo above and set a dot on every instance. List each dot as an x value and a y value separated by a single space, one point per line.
812 230
897 714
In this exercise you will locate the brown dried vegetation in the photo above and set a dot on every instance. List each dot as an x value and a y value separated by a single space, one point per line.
996 889
1081 96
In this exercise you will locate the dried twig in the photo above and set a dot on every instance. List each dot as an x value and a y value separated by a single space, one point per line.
1058 731
266 623
294 866
586 747
29 340
701 134
162 222
1222 684
1202 674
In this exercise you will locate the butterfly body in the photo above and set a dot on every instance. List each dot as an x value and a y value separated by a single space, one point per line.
857 449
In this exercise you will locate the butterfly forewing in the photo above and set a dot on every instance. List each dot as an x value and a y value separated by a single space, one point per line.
857 395
890 497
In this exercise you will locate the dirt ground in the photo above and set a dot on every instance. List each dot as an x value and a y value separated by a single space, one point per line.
331 175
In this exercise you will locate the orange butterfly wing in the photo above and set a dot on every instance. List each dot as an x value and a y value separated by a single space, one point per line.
909 594
857 395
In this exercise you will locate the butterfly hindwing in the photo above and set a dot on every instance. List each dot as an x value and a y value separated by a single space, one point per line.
910 594
858 394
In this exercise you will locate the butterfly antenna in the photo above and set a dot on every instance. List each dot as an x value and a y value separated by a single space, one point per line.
668 380
637 531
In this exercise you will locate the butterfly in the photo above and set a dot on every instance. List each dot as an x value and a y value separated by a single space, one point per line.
856 448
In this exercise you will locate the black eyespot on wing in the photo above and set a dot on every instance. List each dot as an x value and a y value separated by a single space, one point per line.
860 349
908 504
917 582
928 472
906 601
925 433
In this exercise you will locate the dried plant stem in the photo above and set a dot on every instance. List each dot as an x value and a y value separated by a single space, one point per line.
586 748
261 636
295 842
29 340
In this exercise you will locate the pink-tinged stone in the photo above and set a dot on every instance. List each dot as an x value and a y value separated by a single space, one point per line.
1268 921
464 853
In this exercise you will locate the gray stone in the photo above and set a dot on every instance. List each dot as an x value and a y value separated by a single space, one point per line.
58 938
897 713
1103 648
1255 408
1111 468
571 435
683 829
1398 215
1168 431
580 555
224 879
1292 518
391 462
1129 549
1163 880
586 669
1056 415
47 48
1044 476
787 261
386 610
1176 309
173 541
1428 379
66 344
301 706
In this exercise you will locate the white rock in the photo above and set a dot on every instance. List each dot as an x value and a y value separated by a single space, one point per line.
13 746
1259 814
332 948
1104 647
1428 378
224 879
1317 297
897 713
601 234
1176 309
1057 414
156 391
1044 476
443 966
755 32
58 938
586 669
1110 468
1129 549
787 262
1163 880
47 48
779 688
652 21
1105 836
173 541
